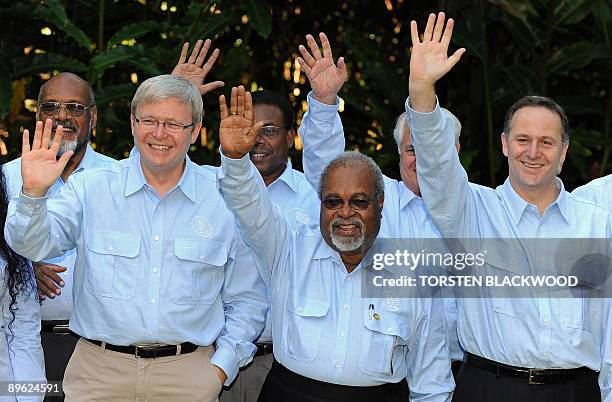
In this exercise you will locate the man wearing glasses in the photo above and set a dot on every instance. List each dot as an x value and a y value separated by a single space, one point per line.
298 203
330 343
68 101
165 305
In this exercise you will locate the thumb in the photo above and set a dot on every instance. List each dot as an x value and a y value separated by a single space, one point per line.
63 161
342 69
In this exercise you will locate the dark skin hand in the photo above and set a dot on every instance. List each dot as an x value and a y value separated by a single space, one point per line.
47 279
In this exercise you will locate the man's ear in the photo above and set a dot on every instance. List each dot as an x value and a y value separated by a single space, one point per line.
504 141
93 117
196 131
290 138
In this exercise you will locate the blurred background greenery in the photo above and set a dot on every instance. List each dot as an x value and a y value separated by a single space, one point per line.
557 48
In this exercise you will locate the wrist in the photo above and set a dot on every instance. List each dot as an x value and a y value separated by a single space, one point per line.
233 154
33 193
328 100
422 95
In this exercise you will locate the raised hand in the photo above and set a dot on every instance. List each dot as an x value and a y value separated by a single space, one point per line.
193 70
429 60
40 167
324 76
236 131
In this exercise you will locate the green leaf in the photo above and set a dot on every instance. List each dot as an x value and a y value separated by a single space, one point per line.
603 16
577 56
572 11
132 31
36 63
260 16
6 94
470 40
213 24
114 93
53 12
133 55
522 31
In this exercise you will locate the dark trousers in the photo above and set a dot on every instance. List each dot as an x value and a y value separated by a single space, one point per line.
57 349
283 385
476 384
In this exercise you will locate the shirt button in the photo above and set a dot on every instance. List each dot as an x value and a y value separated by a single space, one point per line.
390 329
155 269
156 238
545 321
345 305
342 333
153 301
110 247
541 259
337 364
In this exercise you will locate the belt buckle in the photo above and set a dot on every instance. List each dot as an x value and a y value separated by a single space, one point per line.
145 348
532 373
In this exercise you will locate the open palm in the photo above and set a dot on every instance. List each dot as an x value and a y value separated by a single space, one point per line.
236 131
194 69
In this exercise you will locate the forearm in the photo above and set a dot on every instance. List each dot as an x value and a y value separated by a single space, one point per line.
322 136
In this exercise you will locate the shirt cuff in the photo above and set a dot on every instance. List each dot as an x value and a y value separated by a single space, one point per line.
423 121
225 360
237 168
322 111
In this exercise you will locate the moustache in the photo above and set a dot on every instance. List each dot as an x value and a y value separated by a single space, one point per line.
66 124
354 220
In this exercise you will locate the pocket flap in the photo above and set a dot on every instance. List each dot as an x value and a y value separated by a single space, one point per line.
204 251
388 323
309 308
114 243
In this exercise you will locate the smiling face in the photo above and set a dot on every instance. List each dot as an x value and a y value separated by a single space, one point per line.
349 230
269 155
162 152
69 88
535 150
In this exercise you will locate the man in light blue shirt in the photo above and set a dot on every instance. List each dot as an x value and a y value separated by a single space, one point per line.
159 276
68 100
330 343
538 345
404 214
297 202
599 191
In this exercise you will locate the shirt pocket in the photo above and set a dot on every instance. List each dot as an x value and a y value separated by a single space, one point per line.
198 276
112 266
306 322
383 341
499 264
571 310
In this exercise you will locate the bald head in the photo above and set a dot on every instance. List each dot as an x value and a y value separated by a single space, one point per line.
68 77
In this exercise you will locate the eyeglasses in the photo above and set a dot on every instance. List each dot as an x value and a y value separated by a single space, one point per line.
356 204
269 131
72 108
170 126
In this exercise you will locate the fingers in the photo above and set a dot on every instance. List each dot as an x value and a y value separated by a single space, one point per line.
240 97
203 53
414 33
248 107
38 134
342 69
223 107
211 61
184 51
25 142
46 284
63 161
307 57
448 32
454 59
57 139
45 291
437 33
234 101
427 35
211 86
194 53
327 52
304 66
314 48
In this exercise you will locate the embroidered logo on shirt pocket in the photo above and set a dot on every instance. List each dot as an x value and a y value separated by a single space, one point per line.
198 276
112 264
306 319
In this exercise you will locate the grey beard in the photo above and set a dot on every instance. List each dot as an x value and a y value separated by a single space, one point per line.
65 146
346 244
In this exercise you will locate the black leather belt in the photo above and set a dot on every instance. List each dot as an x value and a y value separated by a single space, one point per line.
148 351
263 348
55 326
532 376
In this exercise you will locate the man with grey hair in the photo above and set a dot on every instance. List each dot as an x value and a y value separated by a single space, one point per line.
330 343
68 101
404 215
166 304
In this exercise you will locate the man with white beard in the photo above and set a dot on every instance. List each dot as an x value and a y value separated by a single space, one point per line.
330 341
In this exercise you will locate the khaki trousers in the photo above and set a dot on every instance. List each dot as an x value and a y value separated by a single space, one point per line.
96 374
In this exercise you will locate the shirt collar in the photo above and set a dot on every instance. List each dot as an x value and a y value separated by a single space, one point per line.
406 196
517 204
88 161
136 180
288 177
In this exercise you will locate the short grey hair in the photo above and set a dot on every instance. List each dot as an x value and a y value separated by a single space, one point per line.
401 127
169 86
349 158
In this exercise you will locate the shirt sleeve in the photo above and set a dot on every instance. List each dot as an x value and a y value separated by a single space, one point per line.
605 373
442 180
245 304
45 227
322 136
428 359
23 338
